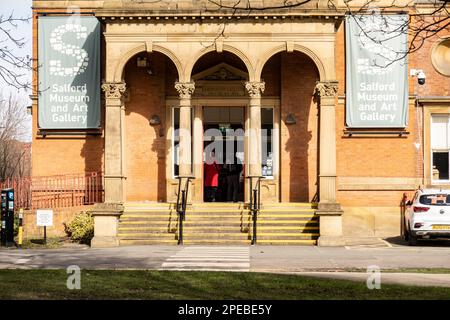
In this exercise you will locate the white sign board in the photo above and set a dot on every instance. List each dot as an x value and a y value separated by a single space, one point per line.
44 218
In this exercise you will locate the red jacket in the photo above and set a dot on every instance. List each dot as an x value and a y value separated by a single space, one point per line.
212 174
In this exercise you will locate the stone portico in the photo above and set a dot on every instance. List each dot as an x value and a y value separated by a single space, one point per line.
254 40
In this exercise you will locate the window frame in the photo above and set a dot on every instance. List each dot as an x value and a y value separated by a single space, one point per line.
274 157
436 150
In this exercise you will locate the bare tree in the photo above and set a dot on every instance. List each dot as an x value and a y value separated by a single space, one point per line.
427 18
15 69
14 152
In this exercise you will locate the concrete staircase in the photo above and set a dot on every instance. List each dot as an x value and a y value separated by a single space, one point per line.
218 223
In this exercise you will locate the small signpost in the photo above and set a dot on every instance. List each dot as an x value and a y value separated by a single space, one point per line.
44 218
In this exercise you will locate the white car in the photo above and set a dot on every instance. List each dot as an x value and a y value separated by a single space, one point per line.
427 216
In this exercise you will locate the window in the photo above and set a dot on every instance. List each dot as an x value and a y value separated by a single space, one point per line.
440 147
176 141
435 199
267 156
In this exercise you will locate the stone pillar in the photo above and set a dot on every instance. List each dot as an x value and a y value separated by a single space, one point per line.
106 215
254 90
185 90
329 211
113 142
106 223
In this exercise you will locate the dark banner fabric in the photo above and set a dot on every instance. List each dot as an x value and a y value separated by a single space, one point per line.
376 71
69 72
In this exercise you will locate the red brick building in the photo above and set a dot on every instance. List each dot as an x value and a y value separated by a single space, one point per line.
199 68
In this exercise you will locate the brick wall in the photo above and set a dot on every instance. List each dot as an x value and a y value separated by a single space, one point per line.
145 165
61 216
298 148
436 84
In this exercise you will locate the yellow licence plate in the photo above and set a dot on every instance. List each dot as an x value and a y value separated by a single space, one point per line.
441 227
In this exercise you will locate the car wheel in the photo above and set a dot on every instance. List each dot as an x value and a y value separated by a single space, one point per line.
412 240
406 235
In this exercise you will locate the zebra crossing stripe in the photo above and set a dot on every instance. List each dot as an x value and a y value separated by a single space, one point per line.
210 259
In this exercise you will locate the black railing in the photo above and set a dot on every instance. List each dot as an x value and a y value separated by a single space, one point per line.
182 197
255 203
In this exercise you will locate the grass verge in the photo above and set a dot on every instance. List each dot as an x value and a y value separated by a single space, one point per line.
140 284
52 243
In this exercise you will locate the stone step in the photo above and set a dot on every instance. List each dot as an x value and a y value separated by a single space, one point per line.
245 242
286 236
287 242
219 223
137 242
147 235
218 210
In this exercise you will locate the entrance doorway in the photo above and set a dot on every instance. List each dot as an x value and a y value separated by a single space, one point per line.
223 154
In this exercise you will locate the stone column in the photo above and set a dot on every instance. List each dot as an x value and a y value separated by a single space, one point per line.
329 211
113 142
254 90
185 90
106 215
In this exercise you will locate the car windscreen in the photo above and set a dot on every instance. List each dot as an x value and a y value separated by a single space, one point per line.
435 199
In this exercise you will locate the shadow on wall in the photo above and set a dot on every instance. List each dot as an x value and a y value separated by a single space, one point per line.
93 146
298 81
92 153
145 143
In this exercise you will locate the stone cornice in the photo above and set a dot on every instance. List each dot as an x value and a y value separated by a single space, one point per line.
433 100
189 7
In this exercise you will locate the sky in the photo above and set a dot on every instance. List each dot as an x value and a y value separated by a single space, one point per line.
19 8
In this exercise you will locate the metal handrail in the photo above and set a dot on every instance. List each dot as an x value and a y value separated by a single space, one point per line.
255 203
181 206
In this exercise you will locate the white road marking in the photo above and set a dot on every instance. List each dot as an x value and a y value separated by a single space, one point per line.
209 259
22 261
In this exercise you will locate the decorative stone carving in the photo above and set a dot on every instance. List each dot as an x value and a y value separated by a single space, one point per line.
255 89
327 88
185 89
113 90
440 57
223 74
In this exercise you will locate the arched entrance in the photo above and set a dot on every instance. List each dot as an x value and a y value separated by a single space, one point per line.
149 78
218 124
292 77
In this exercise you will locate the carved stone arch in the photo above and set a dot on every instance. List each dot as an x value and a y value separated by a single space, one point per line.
281 48
118 73
228 48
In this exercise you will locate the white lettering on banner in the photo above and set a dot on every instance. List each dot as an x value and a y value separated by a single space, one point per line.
56 117
376 116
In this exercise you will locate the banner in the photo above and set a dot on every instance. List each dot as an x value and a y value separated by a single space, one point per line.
376 71
69 72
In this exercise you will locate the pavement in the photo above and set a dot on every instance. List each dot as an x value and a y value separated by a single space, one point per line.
334 262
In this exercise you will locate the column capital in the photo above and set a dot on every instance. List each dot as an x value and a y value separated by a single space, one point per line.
113 90
327 89
185 89
255 89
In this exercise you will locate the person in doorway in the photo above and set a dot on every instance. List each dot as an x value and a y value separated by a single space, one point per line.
212 169
233 174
